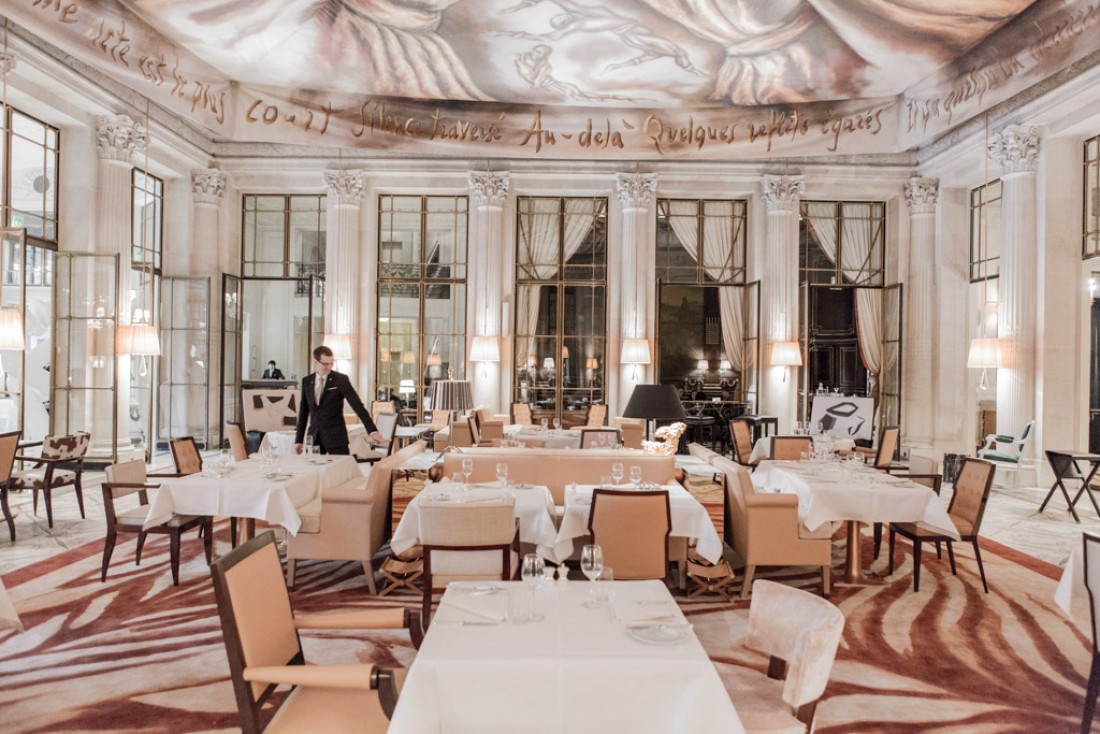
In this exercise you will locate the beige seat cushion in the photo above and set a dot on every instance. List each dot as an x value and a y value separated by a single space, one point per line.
448 566
823 532
35 478
758 700
329 710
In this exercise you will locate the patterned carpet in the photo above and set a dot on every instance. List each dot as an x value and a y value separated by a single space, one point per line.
139 655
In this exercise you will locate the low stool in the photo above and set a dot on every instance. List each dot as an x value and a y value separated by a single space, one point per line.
402 571
705 577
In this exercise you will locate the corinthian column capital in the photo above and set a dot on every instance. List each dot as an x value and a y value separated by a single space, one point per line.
207 186
347 186
783 193
1015 149
921 194
489 189
636 190
117 137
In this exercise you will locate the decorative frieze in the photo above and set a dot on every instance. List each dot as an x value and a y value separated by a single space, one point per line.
207 186
1015 149
921 194
117 137
489 189
782 193
347 186
636 190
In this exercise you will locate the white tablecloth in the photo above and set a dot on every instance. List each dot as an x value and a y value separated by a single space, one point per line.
762 449
283 441
578 671
246 492
534 508
689 520
568 438
9 618
839 490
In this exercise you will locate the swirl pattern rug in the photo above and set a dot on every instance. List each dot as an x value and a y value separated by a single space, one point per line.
136 654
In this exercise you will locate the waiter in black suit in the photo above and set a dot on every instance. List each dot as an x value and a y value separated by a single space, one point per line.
322 407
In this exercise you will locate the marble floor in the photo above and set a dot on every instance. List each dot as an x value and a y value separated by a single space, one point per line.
1012 518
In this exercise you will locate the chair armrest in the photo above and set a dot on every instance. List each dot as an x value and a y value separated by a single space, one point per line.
326 676
1000 438
39 460
130 485
771 499
347 495
168 475
396 618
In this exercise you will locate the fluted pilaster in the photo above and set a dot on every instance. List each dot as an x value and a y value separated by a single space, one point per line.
636 193
488 191
208 187
782 195
922 195
345 196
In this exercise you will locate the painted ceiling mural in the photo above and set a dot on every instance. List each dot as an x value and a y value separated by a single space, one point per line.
574 78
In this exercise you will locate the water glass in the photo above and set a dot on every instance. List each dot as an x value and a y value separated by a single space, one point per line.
592 567
604 587
543 424
520 605
617 472
307 444
636 476
605 480
467 468
502 474
557 424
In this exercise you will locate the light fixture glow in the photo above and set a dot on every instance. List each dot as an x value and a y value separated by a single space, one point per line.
11 330
340 344
702 365
485 349
139 340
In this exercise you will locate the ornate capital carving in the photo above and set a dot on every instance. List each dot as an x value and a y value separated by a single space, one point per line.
782 193
347 186
207 186
7 62
117 137
489 189
921 194
636 190
1016 149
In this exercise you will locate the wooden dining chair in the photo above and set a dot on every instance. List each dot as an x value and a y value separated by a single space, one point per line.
922 470
387 426
1092 585
883 456
632 527
185 453
521 414
49 472
632 430
741 431
265 652
237 445
600 438
790 448
966 511
127 479
597 415
9 445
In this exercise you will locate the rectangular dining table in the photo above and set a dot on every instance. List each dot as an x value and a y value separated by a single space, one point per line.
577 671
283 493
830 491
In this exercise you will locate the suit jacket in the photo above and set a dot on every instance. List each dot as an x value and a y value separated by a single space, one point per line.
326 418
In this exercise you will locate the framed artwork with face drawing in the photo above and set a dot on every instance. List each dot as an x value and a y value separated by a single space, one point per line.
842 417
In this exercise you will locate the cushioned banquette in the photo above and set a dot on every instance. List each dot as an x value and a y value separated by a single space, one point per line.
555 468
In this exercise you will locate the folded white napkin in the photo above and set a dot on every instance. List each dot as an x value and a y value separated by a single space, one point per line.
471 605
633 613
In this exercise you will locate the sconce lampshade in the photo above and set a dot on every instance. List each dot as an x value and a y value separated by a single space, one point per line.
138 340
702 365
592 363
406 387
724 365
11 330
635 351
384 356
985 353
340 344
548 363
435 360
485 349
786 354
565 352
408 358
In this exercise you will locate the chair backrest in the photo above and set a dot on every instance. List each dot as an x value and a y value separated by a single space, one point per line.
237 446
468 525
923 465
632 529
257 621
439 419
475 434
887 445
379 407
1092 581
380 491
1022 441
790 448
387 426
632 430
971 494
597 415
70 447
800 628
127 472
741 430
9 447
185 452
521 414
599 438
739 488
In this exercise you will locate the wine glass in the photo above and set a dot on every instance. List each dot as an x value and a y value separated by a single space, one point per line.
543 424
502 475
557 424
617 472
592 567
467 469
636 476
307 444
532 574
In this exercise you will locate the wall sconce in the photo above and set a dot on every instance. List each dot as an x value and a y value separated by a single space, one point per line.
384 356
592 363
985 354
785 354
565 353
138 340
485 349
702 365
724 366
11 336
435 360
635 352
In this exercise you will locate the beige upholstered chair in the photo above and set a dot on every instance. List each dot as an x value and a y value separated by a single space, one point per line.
597 415
796 634
237 445
632 430
265 652
741 433
378 407
476 438
791 448
966 510
9 444
521 414
490 427
922 470
600 438
127 479
467 542
354 519
882 456
47 474
632 528
765 531
387 426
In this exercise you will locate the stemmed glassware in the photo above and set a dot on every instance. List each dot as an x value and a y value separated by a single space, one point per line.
532 573
617 472
592 567
557 424
543 423
636 476
502 475
467 469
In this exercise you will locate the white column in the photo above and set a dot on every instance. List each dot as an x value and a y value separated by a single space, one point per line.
485 284
117 137
345 196
636 191
1016 150
779 289
921 194
207 190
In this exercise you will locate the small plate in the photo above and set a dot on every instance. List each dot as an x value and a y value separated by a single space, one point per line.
582 499
277 477
661 634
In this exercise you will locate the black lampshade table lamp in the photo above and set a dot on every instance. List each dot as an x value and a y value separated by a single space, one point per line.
654 403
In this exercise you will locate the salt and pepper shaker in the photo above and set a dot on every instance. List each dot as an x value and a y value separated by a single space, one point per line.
563 574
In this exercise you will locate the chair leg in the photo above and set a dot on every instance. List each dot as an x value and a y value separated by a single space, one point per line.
826 579
47 497
79 489
951 557
291 567
8 517
978 557
233 532
108 549
1091 692
876 531
174 555
916 565
208 540
939 550
890 570
140 546
746 581
368 569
